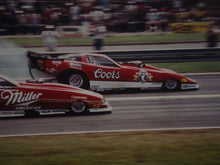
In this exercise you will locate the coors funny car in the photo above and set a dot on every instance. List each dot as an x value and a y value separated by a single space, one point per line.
99 72
18 98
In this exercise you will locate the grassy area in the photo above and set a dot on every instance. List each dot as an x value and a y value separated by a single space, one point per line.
155 38
194 147
191 67
33 41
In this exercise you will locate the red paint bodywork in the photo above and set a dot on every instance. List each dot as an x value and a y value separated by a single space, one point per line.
20 96
117 72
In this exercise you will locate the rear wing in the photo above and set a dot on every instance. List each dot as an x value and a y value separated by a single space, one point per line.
51 56
37 60
34 55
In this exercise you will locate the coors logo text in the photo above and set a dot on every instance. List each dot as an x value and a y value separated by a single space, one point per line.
109 75
19 97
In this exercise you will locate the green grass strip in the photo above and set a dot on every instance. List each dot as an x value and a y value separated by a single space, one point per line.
181 147
167 37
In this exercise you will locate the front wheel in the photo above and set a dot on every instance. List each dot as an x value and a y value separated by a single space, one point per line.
78 107
171 84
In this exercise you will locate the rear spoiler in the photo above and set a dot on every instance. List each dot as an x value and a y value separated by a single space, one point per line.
52 56
37 60
33 55
34 59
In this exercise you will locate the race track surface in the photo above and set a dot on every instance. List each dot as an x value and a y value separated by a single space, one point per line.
134 110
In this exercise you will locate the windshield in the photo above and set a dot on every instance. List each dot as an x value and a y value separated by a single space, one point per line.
72 57
99 60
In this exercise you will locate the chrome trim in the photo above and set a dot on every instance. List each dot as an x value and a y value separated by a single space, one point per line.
189 86
108 109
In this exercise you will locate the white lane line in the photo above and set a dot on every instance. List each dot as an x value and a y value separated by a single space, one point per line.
109 131
163 97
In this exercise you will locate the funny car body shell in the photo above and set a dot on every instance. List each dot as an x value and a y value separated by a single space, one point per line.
99 72
47 98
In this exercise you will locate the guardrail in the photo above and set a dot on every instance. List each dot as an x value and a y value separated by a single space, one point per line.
174 55
168 55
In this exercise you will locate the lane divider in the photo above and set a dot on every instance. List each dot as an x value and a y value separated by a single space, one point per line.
111 131
164 97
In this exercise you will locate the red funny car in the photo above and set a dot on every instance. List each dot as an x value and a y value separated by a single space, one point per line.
18 98
99 72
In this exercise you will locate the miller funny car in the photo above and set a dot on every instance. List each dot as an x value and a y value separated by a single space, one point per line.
99 72
19 98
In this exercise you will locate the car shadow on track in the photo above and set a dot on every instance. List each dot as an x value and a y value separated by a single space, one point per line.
133 91
56 115
137 91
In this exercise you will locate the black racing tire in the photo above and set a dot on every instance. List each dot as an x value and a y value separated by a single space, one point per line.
74 78
78 107
31 113
171 84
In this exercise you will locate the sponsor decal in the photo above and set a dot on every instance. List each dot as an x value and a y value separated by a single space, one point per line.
143 77
28 108
75 65
79 97
56 63
99 73
140 76
51 70
183 80
96 106
19 98
150 77
95 87
41 64
136 76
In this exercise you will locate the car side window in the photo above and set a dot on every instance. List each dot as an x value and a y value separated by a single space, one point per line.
97 60
71 57
6 85
75 58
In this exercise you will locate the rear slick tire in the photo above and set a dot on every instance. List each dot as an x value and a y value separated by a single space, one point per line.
31 114
74 78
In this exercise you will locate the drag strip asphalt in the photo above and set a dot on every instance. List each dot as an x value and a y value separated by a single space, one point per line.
133 111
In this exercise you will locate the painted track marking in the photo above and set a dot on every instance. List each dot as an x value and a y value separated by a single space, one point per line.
108 131
164 97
